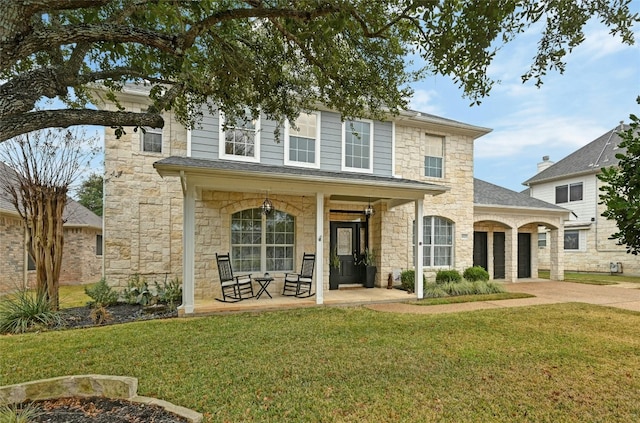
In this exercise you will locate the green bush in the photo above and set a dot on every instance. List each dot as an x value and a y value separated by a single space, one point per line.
170 292
101 294
476 273
453 289
137 291
24 311
24 413
444 276
434 290
408 280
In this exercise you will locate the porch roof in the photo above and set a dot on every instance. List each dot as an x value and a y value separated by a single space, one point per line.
252 177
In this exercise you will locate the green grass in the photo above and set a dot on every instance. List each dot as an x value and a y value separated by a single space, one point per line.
554 363
471 298
593 278
73 296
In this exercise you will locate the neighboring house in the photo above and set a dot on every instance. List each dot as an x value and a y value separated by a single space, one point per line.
82 253
573 184
176 197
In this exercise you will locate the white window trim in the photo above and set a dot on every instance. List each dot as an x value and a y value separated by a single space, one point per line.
444 161
151 131
221 143
344 141
287 160
582 241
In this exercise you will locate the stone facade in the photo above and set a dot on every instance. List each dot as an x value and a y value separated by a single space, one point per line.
143 212
12 253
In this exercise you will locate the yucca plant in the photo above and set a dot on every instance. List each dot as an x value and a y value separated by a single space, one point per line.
24 311
18 413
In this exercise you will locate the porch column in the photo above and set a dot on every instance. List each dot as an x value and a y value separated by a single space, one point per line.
418 263
490 256
556 261
319 248
188 247
511 255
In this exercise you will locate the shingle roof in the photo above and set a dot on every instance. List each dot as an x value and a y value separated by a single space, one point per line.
75 213
599 153
485 193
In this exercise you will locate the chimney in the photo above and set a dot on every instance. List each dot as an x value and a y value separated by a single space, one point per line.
545 163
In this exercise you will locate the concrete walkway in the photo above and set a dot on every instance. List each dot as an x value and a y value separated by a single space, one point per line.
623 295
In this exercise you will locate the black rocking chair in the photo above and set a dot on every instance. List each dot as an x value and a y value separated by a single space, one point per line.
300 284
234 288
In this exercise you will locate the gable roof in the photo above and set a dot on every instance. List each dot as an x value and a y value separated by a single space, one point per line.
75 214
599 153
488 194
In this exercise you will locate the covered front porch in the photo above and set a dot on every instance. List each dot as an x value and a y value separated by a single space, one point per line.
221 210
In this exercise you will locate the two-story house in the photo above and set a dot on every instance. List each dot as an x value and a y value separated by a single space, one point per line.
82 253
573 184
176 197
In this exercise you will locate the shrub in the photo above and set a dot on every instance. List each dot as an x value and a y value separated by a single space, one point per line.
453 289
24 311
100 315
19 413
408 280
137 291
434 290
444 276
101 294
170 293
476 273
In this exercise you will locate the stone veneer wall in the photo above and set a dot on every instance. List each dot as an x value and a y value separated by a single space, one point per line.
455 205
11 253
142 211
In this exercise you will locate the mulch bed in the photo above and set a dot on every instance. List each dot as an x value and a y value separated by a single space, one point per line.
80 317
101 410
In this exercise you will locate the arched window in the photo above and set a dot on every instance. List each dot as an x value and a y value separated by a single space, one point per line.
262 243
437 241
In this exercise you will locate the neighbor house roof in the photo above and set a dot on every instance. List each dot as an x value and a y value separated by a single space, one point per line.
75 214
599 153
487 194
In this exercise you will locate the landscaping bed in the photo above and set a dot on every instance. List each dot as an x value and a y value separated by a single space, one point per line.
79 317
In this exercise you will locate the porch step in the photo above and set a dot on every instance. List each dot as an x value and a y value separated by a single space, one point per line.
347 286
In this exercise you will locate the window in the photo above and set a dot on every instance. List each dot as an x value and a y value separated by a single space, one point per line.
566 193
437 241
240 140
98 245
571 240
357 145
302 145
152 140
262 243
542 239
31 263
433 159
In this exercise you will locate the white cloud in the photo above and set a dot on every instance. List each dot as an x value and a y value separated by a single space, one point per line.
427 101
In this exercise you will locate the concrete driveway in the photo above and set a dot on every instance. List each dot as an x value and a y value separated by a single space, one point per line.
624 295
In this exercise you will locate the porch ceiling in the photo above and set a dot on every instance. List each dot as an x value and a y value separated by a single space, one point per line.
251 177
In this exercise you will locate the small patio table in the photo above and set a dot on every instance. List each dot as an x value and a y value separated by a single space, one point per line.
264 282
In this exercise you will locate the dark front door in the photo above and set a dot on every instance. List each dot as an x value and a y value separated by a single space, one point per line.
524 255
498 255
480 250
348 241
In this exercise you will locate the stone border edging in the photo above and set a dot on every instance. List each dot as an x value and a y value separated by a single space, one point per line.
122 387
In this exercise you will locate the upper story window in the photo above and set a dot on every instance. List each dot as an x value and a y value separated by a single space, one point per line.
570 192
357 145
434 158
302 145
152 140
240 140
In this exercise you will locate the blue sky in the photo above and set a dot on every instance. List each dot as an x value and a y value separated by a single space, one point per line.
597 90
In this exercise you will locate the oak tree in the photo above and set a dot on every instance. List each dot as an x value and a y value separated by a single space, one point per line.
90 193
278 56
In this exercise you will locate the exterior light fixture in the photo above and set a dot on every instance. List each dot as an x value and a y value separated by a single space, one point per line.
369 210
267 206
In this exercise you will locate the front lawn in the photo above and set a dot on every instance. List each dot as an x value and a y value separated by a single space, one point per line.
569 363
593 278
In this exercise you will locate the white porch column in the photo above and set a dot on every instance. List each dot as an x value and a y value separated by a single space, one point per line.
319 247
490 255
188 247
511 255
418 260
556 261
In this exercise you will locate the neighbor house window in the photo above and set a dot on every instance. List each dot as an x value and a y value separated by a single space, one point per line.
572 240
433 160
302 145
152 140
542 239
570 192
240 140
98 245
357 145
437 241
262 243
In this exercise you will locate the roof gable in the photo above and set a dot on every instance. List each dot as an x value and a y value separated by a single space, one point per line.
487 194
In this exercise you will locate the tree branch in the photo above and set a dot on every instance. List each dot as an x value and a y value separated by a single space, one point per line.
27 122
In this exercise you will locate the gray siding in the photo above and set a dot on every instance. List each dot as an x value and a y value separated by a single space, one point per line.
205 144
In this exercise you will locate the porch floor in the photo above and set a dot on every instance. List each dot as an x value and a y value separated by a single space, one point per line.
338 297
